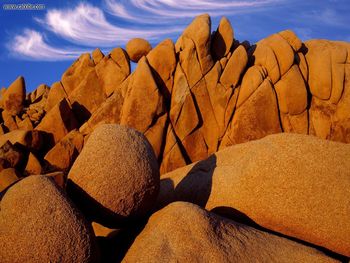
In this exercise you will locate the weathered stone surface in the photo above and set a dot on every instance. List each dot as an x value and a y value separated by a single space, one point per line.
280 170
40 93
25 124
31 140
120 57
12 155
97 56
43 226
199 32
87 97
329 117
57 123
162 60
222 40
122 180
189 62
55 95
111 74
64 153
13 98
8 177
33 166
256 114
235 68
77 72
137 48
141 86
107 113
173 156
9 121
292 39
58 177
183 232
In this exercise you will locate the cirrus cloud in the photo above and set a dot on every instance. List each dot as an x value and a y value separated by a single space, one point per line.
31 44
116 21
151 11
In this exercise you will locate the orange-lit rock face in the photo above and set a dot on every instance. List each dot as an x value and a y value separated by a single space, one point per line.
189 100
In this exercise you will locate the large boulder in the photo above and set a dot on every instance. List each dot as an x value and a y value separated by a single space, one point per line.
183 232
293 184
137 48
44 226
13 99
118 172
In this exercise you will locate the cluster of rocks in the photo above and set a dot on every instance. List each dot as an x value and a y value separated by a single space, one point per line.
77 185
283 198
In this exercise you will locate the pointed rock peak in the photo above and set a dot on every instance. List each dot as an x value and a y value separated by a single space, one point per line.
14 96
97 56
120 57
223 39
199 31
17 85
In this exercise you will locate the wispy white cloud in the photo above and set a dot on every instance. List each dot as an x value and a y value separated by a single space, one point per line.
31 45
153 11
87 25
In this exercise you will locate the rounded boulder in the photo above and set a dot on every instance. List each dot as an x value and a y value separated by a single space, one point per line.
137 48
39 224
116 176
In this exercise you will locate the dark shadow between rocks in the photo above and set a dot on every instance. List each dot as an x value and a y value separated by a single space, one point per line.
114 247
93 210
199 177
81 113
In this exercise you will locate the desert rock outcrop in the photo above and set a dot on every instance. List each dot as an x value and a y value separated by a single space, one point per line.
270 181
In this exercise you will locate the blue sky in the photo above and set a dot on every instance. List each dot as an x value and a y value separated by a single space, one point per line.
41 44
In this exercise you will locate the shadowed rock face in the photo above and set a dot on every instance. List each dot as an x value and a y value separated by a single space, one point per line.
293 184
183 232
190 99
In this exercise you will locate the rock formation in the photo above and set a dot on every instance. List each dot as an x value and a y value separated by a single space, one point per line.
197 103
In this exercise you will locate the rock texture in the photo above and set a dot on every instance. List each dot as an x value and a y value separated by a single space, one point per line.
183 232
191 98
203 93
43 226
293 184
117 169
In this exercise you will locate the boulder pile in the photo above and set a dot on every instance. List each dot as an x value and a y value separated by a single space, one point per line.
211 150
